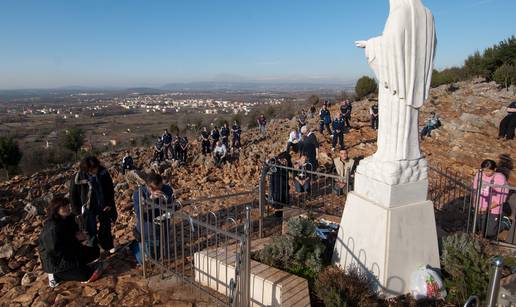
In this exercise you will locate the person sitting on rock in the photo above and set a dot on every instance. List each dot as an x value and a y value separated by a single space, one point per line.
92 196
205 141
166 138
293 141
153 194
158 151
224 134
220 154
344 167
508 124
237 132
127 163
302 180
63 256
215 136
431 123
373 111
183 143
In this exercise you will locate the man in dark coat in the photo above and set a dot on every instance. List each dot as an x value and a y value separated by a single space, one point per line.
93 198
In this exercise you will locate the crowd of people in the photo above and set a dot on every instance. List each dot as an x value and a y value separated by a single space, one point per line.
79 226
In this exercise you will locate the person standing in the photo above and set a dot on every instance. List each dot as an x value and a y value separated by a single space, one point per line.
224 134
93 197
176 148
345 110
237 132
508 124
215 136
166 138
373 111
338 132
301 119
309 146
205 141
324 119
158 151
262 124
183 144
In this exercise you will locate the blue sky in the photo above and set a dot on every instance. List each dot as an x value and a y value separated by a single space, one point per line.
146 43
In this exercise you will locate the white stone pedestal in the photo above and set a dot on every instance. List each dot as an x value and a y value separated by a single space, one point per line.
388 230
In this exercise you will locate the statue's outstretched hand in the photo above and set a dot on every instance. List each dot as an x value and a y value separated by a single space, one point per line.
361 44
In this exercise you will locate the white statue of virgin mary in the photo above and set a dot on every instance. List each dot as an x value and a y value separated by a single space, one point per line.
402 59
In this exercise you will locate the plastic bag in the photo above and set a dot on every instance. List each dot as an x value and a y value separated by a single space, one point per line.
426 283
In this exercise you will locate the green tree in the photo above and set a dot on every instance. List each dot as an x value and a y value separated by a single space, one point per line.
10 154
73 140
365 86
505 75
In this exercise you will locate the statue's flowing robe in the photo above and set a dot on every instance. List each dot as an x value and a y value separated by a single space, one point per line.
402 59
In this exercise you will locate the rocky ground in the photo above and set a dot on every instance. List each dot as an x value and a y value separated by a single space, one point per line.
470 114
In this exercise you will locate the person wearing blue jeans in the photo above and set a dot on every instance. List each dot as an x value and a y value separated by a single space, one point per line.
431 124
154 191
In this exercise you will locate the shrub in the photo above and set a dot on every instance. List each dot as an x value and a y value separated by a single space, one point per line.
299 251
465 266
10 154
505 75
353 287
73 139
365 86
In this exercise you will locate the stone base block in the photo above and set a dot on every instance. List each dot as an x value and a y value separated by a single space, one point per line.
388 195
391 243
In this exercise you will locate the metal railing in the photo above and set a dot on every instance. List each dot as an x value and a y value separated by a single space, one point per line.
282 186
209 250
461 204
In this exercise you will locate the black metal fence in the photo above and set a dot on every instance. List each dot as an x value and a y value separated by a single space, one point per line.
209 250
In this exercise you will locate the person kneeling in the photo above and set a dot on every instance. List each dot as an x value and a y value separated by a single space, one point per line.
219 154
157 199
63 256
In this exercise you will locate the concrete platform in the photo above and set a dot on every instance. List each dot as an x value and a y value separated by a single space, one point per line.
269 286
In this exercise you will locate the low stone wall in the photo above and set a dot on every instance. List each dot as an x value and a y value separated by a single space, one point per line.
269 286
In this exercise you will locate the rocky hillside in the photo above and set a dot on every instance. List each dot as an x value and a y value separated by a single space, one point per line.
470 115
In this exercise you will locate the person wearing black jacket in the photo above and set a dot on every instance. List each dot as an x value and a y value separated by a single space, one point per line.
215 136
62 254
224 133
205 141
237 132
127 163
93 198
278 183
